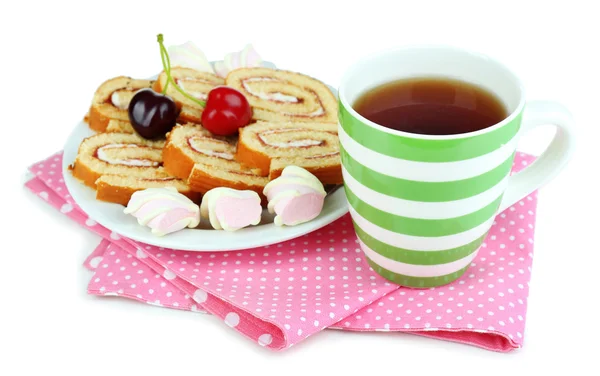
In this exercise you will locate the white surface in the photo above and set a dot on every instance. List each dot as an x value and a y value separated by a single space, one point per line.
204 238
55 54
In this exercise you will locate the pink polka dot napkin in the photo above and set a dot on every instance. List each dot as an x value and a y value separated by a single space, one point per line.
279 295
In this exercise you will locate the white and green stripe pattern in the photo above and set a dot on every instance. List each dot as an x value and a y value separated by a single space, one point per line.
422 207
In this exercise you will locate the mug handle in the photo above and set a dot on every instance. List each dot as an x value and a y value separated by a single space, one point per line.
552 160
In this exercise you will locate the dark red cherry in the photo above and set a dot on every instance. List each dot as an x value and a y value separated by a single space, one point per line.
152 114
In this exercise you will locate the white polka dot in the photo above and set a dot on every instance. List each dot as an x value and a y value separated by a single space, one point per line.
140 254
114 236
200 296
95 261
43 195
265 339
66 208
90 222
232 319
169 275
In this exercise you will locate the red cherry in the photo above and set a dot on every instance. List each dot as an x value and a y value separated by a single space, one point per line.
226 111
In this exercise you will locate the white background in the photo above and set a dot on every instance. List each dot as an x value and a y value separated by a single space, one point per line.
53 56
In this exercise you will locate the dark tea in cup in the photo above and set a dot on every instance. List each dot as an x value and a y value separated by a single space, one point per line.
432 106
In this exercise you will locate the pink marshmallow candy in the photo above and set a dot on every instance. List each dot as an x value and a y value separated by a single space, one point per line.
297 196
246 58
230 210
163 210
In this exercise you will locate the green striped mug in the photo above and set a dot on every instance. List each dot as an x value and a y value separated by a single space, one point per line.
422 205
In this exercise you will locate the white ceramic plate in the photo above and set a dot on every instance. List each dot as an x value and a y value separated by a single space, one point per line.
202 238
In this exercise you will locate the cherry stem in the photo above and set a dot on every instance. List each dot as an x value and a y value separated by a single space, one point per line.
166 62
